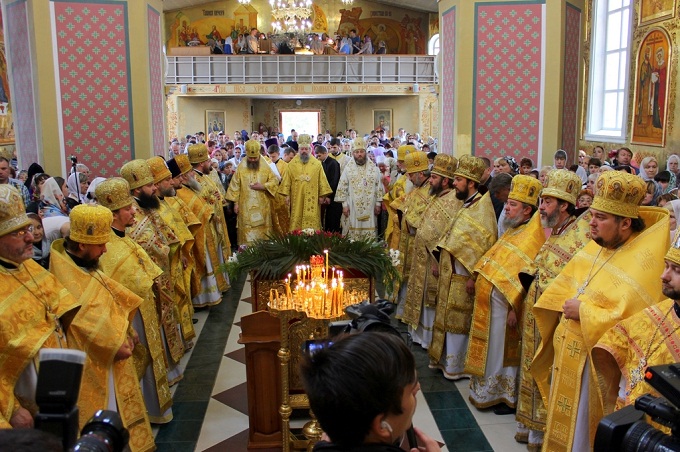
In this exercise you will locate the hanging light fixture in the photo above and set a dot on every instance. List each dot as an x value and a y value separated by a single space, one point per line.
246 2
290 16
347 2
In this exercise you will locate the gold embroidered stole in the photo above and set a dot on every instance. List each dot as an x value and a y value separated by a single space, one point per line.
305 184
422 285
393 201
211 195
553 256
623 281
280 211
499 269
413 208
469 237
25 325
192 273
99 328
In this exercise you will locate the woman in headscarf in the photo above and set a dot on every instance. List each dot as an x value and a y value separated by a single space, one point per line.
77 191
91 198
34 169
506 164
652 194
674 207
38 181
52 201
649 168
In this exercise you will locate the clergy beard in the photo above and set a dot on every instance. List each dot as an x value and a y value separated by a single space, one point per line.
550 221
670 291
253 165
360 161
194 184
611 244
148 201
512 223
168 192
463 195
304 158
435 190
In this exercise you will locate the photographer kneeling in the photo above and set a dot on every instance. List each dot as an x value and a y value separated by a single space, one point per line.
362 389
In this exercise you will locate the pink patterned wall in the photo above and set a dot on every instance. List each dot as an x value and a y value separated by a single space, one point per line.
447 50
572 43
507 85
156 80
22 91
93 64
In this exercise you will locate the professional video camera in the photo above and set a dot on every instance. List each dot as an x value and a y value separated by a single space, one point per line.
56 396
625 430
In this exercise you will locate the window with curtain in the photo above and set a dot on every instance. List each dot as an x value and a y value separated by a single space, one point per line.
611 32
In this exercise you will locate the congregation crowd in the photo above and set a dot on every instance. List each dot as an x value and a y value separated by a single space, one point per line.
552 289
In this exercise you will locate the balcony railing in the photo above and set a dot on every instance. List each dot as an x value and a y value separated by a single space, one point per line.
262 69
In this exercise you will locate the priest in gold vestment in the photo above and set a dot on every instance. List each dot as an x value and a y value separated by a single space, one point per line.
280 212
408 211
127 263
252 189
469 236
568 235
181 256
36 312
493 350
205 251
102 327
648 338
306 187
421 291
395 197
360 192
613 277
157 239
198 157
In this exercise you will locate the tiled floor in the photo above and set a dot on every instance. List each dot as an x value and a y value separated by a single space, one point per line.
210 403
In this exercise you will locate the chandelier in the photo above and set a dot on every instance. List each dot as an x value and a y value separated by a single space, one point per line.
347 2
291 16
247 2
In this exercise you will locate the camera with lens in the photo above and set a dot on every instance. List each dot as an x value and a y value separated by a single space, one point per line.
56 395
626 429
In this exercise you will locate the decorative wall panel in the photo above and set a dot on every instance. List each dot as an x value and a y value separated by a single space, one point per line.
23 113
507 86
156 80
447 46
572 47
93 69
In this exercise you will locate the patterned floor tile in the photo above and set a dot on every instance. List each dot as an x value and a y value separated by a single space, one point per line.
238 355
236 397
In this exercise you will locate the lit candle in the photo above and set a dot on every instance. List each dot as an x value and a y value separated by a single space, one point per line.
326 253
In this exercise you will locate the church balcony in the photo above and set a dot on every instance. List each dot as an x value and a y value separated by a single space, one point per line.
293 69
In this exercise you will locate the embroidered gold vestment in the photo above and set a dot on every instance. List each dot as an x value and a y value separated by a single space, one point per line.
305 184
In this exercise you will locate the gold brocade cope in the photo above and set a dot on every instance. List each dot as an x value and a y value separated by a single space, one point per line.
279 208
412 209
204 240
469 237
180 254
499 269
254 218
624 281
127 263
650 336
304 184
99 328
192 273
422 284
149 232
553 256
25 324
393 201
211 195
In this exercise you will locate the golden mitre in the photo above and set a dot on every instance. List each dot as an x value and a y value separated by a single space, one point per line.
137 173
198 153
404 150
253 148
113 193
470 167
444 165
12 210
183 163
562 184
673 253
415 162
159 169
525 189
619 193
359 143
303 140
90 224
